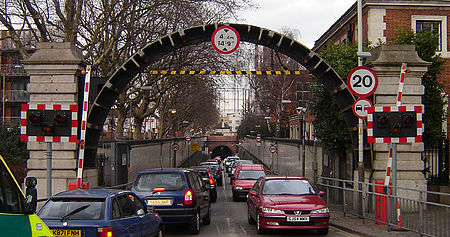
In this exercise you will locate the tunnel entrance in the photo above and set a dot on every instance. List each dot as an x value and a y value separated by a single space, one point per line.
221 151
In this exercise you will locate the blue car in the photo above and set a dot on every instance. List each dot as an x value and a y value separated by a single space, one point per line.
99 212
178 195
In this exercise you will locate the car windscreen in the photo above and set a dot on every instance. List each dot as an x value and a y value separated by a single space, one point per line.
250 174
287 187
73 209
170 181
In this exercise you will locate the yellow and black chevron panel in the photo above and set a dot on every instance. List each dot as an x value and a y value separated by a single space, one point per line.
165 72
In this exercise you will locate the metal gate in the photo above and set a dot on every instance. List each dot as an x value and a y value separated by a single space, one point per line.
436 162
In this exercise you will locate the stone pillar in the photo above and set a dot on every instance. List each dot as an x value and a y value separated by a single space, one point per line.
386 61
54 69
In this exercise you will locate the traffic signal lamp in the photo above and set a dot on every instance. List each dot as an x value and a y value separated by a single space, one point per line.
49 122
395 124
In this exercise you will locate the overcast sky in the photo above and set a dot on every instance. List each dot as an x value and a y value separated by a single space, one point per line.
308 18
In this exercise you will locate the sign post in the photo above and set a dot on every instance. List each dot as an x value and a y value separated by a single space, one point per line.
175 148
272 150
362 82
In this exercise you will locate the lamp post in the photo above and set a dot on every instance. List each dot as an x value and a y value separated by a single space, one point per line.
301 112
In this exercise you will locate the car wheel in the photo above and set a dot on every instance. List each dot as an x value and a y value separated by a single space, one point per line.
322 231
207 219
195 224
258 226
249 216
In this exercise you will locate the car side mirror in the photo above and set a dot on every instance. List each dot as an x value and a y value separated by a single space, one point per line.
252 193
30 195
140 212
321 193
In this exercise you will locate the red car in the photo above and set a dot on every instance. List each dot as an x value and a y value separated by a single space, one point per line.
283 202
244 178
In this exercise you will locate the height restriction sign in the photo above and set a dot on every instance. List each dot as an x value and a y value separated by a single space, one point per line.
225 39
362 81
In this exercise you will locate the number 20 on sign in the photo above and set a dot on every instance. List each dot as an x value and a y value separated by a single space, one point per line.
362 81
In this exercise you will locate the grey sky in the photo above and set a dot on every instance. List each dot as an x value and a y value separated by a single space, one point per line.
308 18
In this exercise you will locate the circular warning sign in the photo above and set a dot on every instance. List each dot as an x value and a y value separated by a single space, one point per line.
188 139
272 149
258 139
175 147
360 107
225 39
362 81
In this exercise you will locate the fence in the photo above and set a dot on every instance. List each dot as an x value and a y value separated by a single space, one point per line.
436 161
371 202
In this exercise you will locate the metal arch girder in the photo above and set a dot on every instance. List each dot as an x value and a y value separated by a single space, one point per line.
200 34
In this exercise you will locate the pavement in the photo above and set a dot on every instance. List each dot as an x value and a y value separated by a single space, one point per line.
364 227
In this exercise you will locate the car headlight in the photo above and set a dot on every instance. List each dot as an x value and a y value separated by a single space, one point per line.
238 188
321 211
272 211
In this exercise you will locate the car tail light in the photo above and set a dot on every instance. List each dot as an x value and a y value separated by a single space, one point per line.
211 181
188 198
159 189
105 232
219 172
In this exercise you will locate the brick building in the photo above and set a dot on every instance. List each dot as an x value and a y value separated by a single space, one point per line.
382 20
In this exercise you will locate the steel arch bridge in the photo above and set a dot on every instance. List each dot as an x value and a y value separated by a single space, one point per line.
199 34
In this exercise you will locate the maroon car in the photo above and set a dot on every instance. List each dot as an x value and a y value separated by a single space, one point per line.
283 202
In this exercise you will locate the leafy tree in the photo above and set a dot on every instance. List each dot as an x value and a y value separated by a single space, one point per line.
13 150
329 122
427 43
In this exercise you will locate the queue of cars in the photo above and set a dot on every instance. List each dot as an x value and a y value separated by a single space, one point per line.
159 197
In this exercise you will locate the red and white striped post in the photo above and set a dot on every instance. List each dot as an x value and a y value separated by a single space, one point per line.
398 103
83 126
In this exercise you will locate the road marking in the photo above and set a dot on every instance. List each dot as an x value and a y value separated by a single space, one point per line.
243 230
337 230
218 229
228 222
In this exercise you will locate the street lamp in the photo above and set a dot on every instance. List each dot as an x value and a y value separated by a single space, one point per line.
301 111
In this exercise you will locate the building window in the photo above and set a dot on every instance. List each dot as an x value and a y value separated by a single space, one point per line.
436 24
433 26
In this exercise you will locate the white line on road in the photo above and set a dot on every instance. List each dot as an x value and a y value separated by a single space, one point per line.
218 229
243 230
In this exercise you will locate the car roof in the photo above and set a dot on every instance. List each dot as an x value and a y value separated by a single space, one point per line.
200 167
272 177
165 170
252 167
89 193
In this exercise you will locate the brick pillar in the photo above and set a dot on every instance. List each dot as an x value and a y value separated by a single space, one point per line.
55 70
386 61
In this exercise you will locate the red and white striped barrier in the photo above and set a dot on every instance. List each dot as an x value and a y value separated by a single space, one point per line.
83 126
23 122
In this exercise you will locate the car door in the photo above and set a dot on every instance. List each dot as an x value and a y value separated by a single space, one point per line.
150 223
200 192
125 221
253 200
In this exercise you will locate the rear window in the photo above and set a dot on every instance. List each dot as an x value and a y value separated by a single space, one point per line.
202 173
169 181
250 174
88 209
287 187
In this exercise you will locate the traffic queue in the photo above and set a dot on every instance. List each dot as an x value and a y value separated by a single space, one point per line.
160 198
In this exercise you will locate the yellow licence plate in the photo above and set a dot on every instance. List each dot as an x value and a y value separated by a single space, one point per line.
67 233
159 202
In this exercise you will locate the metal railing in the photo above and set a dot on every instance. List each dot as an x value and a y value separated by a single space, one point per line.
372 201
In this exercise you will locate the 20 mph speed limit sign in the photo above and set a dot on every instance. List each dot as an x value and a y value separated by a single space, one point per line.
362 81
225 39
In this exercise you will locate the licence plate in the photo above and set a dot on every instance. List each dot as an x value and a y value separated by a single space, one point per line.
66 233
298 218
159 202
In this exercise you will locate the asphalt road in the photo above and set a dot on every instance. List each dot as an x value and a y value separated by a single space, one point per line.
229 219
